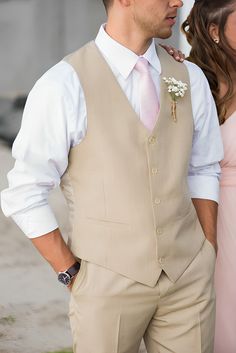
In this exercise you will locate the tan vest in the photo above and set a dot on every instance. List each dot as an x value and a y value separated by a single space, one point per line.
126 188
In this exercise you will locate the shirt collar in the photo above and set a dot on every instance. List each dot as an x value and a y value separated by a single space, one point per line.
122 58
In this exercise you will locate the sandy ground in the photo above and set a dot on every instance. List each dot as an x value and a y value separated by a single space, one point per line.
33 305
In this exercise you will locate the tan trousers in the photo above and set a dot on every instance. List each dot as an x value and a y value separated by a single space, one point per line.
110 313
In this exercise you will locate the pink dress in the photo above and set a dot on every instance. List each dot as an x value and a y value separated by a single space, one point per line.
225 276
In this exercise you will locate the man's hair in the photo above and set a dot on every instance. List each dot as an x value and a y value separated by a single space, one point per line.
107 3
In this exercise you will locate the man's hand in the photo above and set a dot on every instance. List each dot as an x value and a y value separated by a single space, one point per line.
177 54
207 215
72 283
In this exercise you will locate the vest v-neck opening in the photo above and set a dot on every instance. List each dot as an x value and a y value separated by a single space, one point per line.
148 133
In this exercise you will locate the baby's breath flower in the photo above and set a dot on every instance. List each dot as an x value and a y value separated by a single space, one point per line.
177 89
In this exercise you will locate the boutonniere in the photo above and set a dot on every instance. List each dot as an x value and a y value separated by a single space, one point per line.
177 89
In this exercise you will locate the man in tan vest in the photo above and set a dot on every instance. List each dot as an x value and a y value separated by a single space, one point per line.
138 162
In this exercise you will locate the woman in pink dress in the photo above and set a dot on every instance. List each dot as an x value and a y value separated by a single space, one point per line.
211 31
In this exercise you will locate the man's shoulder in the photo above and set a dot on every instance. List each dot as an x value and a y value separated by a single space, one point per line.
193 67
60 80
63 74
58 75
200 87
195 72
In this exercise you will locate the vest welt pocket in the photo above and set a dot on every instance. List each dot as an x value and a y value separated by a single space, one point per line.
105 221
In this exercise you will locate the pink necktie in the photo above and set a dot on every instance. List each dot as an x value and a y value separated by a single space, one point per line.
149 103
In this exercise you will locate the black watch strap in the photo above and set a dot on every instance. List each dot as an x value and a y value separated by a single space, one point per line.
74 269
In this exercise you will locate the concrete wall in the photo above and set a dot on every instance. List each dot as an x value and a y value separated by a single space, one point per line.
183 15
35 34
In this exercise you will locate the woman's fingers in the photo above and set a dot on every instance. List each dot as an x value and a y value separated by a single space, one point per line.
177 54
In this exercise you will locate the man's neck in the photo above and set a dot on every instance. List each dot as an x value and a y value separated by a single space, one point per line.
131 39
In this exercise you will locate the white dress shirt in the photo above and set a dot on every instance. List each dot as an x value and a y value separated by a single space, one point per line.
55 120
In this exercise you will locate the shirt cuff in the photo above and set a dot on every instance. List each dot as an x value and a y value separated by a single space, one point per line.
204 187
36 221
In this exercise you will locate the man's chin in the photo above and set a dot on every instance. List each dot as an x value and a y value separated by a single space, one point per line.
164 35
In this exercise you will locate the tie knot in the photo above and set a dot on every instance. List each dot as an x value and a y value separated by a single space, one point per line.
142 65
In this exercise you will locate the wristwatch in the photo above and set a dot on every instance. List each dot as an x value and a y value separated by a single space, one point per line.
65 277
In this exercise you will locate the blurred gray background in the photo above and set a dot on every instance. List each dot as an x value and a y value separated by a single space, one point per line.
34 35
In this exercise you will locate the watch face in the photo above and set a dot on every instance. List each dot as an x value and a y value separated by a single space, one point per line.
64 278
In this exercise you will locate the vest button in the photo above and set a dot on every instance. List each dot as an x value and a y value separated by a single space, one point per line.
159 231
157 201
152 140
161 260
154 170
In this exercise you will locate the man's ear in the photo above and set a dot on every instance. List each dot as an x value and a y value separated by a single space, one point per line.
214 32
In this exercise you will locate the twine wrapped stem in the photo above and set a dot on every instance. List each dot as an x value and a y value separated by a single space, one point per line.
173 110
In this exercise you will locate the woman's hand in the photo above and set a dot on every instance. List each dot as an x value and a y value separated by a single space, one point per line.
177 54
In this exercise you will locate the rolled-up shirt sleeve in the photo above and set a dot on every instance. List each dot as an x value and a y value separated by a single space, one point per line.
207 148
41 157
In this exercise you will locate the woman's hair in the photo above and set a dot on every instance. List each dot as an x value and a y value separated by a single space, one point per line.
215 59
